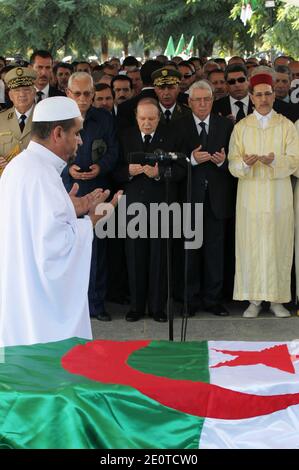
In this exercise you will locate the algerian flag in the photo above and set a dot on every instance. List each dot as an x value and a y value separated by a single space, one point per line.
169 51
150 394
181 46
190 47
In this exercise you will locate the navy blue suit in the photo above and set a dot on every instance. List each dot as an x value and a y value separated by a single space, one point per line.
98 126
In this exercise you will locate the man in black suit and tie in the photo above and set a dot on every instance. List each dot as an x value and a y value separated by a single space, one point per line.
237 104
42 63
207 141
145 183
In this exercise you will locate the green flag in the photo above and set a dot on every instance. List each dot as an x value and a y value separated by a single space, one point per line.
80 394
169 51
181 46
190 47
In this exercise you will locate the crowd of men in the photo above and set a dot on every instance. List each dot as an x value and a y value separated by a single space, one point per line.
236 122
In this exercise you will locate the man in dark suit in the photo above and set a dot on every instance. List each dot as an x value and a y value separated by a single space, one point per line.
166 82
145 184
126 110
207 142
42 63
95 159
238 105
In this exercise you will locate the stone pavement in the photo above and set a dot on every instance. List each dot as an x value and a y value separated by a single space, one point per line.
203 326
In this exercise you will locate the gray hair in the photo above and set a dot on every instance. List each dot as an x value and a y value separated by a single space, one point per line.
263 69
201 85
80 76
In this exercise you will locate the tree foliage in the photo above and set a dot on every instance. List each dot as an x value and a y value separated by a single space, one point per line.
80 27
59 24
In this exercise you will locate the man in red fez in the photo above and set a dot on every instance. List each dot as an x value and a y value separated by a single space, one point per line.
263 153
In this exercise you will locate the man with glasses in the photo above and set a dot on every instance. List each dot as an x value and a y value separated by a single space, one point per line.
15 123
207 138
237 104
188 75
263 153
94 161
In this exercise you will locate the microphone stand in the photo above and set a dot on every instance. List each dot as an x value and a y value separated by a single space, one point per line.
186 260
169 310
159 156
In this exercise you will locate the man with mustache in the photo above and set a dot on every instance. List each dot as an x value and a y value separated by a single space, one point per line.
42 63
122 88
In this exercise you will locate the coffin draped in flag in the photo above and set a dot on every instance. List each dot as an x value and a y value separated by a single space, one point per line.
150 394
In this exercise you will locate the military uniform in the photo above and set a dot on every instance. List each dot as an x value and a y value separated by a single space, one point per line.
166 78
10 133
12 139
180 111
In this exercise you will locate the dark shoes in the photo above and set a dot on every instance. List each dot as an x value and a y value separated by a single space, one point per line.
191 310
218 310
103 316
133 316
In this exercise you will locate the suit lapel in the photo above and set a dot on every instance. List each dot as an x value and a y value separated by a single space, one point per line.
212 135
157 139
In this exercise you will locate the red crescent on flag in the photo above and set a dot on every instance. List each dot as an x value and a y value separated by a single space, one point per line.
106 361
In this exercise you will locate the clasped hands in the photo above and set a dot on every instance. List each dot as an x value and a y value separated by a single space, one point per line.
203 156
148 170
77 174
87 204
251 159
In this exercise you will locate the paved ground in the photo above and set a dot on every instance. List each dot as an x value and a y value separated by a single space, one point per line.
203 326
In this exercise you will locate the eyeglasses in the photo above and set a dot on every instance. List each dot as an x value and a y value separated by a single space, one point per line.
187 75
86 94
233 81
205 99
267 94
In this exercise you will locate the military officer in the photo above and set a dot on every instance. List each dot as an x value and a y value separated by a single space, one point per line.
15 123
166 82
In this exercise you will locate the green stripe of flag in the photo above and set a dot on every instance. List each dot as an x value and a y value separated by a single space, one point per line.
44 406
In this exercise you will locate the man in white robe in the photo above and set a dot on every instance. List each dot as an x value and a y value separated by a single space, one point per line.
45 249
263 153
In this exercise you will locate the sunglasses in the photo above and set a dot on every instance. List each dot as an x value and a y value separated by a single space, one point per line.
233 81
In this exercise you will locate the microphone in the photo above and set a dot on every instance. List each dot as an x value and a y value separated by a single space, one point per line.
162 156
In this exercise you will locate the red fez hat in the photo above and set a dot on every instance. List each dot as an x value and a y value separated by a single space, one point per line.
261 78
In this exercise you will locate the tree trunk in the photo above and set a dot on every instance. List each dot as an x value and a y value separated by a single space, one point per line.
126 46
104 47
146 53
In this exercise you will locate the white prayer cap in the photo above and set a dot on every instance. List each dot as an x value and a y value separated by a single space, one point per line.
57 108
